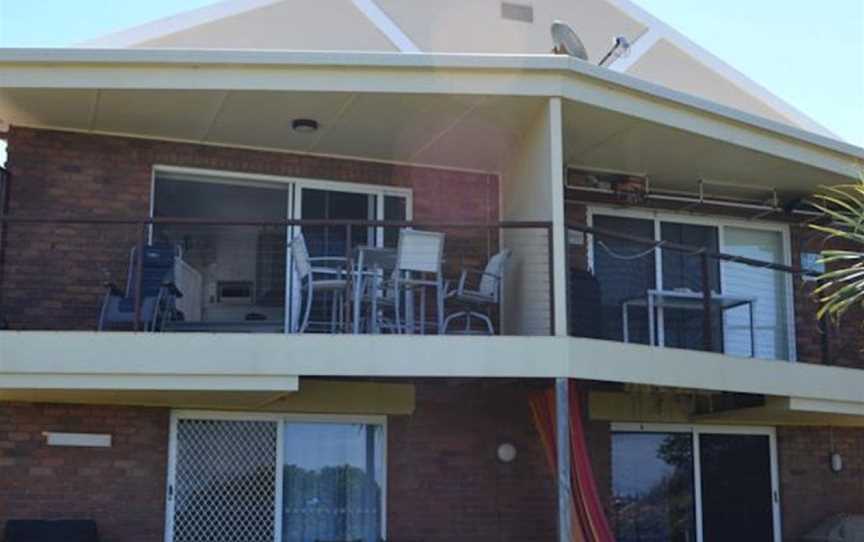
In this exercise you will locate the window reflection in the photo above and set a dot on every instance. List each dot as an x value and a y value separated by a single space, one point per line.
332 482
652 484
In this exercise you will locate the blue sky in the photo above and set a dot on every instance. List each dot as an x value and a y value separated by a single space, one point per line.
809 53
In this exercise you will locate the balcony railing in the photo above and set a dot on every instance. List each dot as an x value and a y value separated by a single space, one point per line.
73 273
658 291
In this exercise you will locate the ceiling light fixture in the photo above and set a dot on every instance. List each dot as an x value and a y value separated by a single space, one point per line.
305 126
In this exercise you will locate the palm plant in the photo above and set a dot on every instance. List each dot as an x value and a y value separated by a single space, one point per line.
842 283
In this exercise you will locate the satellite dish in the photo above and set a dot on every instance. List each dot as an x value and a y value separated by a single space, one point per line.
567 42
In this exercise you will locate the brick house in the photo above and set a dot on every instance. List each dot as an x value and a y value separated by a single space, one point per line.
656 242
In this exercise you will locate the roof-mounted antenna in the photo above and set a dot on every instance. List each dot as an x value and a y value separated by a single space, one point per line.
567 42
620 48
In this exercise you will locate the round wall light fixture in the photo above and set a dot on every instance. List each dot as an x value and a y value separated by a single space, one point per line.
836 462
304 126
506 452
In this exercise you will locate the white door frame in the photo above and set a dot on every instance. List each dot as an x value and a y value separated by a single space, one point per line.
698 429
280 419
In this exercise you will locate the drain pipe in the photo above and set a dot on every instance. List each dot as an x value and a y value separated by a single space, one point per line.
562 444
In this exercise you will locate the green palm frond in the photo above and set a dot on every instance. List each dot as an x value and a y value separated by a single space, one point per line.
842 286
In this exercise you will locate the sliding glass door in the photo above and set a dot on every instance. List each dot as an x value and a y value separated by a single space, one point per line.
233 276
631 277
694 484
737 497
771 334
272 478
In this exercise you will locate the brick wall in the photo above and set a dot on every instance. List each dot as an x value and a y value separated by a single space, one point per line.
90 175
121 487
810 491
445 482
836 343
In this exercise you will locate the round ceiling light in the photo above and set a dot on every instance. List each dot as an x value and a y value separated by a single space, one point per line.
305 126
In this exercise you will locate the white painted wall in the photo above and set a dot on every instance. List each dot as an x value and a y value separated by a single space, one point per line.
528 193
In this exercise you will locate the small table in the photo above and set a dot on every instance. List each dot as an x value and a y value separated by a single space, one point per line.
371 262
655 300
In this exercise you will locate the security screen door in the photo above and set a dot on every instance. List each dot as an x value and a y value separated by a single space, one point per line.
225 480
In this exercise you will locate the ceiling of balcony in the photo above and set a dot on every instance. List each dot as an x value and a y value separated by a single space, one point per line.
470 132
677 159
449 130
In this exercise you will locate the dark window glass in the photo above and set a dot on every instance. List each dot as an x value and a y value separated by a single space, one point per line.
683 328
333 205
652 484
623 270
395 208
736 488
219 254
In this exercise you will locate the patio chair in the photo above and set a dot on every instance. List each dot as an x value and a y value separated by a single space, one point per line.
419 256
62 530
335 283
158 291
477 303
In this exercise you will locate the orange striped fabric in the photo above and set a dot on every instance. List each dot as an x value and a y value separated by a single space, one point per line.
589 520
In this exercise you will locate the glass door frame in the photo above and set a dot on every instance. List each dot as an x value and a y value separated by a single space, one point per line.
721 223
281 419
695 430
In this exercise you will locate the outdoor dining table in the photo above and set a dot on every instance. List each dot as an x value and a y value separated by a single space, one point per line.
654 300
369 263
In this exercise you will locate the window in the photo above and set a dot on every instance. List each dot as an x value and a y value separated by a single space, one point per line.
332 482
652 483
276 478
694 484
626 271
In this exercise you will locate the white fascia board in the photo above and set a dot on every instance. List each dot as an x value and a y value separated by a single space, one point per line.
117 381
526 75
662 30
30 357
829 407
175 23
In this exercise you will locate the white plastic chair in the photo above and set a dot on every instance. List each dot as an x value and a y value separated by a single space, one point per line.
309 284
478 302
419 257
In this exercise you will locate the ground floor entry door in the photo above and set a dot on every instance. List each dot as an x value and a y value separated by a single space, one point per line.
675 483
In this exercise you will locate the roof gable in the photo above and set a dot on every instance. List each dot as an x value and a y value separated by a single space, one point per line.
660 54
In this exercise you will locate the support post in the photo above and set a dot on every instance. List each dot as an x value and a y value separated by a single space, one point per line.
562 444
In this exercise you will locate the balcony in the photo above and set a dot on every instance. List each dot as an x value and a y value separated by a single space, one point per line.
683 282
243 275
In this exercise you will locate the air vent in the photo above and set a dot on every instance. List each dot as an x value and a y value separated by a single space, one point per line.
517 12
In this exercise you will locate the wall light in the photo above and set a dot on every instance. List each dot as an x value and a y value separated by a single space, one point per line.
506 452
836 462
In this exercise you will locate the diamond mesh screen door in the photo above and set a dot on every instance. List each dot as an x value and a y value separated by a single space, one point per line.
225 480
